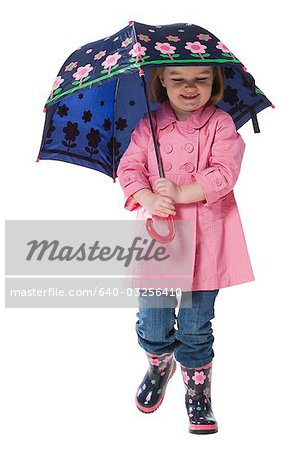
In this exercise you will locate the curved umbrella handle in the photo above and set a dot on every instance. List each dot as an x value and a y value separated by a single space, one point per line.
153 233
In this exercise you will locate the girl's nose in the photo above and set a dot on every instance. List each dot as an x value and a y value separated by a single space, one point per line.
190 84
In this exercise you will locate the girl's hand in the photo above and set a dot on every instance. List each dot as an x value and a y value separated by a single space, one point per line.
163 186
159 205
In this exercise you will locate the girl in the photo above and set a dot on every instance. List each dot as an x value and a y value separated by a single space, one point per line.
201 154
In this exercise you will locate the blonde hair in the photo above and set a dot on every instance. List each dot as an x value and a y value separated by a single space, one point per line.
158 93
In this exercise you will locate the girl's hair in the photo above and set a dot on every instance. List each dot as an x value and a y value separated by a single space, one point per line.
158 93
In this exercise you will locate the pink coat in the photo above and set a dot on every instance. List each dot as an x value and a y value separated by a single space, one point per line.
205 148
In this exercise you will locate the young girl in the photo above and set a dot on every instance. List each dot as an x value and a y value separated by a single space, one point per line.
201 154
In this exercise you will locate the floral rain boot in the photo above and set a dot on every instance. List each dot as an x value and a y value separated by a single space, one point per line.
197 382
152 389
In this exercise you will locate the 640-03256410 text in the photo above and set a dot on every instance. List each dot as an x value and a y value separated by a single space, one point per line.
93 292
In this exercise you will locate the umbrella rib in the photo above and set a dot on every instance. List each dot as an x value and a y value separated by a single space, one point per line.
159 164
113 137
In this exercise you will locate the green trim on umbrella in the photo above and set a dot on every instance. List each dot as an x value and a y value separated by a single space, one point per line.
134 66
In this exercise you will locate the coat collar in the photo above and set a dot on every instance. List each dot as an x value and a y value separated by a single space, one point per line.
197 119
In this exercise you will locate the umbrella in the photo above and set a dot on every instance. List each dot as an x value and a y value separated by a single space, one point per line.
101 92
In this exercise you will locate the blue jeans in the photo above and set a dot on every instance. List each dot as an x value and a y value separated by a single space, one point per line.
191 342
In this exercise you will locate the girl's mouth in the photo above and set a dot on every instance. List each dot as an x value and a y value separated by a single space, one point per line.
189 96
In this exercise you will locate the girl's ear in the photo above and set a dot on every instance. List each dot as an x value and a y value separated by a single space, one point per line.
161 79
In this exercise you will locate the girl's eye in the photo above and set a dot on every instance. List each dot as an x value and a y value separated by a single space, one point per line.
177 80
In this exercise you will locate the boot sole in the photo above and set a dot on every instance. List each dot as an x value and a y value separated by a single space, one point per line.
203 429
151 409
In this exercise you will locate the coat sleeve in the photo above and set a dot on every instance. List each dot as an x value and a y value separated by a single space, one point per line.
225 162
132 170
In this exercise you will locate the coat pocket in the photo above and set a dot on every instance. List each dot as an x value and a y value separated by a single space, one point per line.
218 209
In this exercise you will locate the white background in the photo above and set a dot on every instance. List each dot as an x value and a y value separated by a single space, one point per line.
69 376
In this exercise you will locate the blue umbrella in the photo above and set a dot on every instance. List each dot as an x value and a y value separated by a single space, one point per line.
101 92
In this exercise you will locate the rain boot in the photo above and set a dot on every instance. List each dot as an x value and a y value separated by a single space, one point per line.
152 389
197 382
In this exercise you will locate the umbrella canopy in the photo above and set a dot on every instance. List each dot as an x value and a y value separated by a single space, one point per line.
98 98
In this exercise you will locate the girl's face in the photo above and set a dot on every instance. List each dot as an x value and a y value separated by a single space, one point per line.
188 88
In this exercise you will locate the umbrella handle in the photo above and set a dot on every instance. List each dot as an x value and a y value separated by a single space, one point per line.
155 235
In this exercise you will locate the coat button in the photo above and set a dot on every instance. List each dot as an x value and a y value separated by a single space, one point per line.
168 148
189 148
190 129
167 165
218 182
126 179
189 167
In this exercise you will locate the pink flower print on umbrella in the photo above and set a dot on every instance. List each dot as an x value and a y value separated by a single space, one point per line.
165 49
70 66
199 377
143 37
204 37
110 61
138 51
225 49
196 48
99 55
89 50
56 85
127 42
82 72
186 377
173 38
